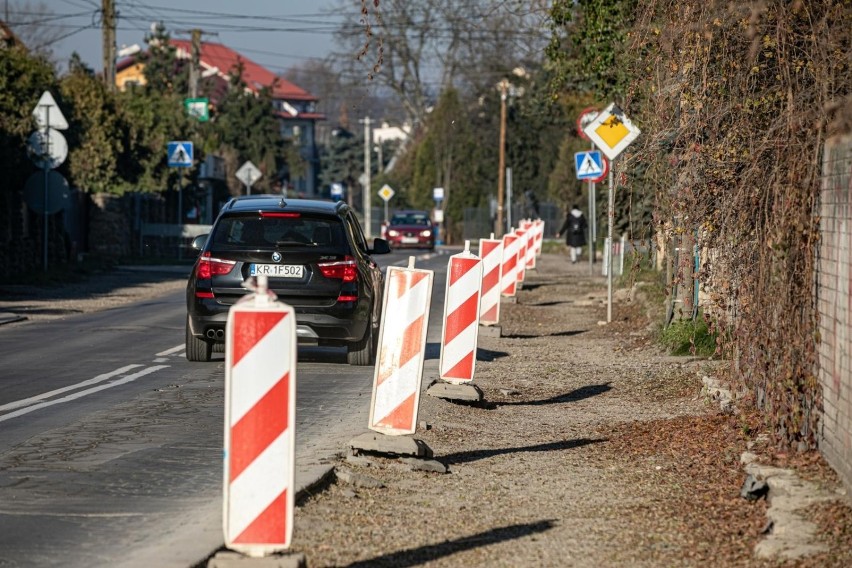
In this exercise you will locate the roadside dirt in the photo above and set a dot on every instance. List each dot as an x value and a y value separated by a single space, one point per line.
102 291
593 448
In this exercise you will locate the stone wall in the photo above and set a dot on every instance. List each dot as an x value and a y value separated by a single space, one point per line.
834 296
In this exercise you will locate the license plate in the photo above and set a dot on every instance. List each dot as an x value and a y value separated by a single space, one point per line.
409 240
277 270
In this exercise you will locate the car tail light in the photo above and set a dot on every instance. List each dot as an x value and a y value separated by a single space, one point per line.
209 266
345 269
347 298
204 295
279 214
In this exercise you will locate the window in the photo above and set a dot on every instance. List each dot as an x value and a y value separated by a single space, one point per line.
256 232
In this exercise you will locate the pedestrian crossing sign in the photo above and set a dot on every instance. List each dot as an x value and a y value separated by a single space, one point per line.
589 165
179 154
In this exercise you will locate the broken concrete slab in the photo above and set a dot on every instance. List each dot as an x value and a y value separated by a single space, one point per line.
385 444
230 559
491 331
466 392
509 299
358 479
791 535
432 466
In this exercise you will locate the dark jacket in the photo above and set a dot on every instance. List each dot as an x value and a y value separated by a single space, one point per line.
574 228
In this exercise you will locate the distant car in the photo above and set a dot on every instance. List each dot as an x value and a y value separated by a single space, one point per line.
411 229
316 258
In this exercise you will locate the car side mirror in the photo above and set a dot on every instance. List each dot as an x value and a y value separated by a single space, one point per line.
199 242
380 246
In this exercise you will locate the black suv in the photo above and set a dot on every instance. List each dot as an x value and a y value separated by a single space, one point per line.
317 260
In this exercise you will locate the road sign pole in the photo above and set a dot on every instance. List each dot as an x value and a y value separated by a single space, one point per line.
591 231
610 220
180 212
386 211
593 219
47 160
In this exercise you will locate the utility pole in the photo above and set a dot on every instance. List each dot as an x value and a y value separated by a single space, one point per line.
108 28
501 168
366 197
195 63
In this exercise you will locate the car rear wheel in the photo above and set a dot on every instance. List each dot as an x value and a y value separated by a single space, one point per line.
197 349
362 352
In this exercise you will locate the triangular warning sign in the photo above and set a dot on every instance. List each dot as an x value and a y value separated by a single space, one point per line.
179 156
589 167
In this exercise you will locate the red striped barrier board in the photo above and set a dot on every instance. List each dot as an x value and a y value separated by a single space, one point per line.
491 251
538 226
461 317
260 408
402 349
522 254
529 227
509 276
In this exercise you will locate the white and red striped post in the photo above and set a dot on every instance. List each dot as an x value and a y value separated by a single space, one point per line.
461 317
402 350
522 255
260 418
538 226
509 276
529 226
491 252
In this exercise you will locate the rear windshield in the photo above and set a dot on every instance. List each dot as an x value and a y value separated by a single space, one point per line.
410 219
303 231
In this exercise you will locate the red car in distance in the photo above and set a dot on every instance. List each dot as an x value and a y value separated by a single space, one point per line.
411 229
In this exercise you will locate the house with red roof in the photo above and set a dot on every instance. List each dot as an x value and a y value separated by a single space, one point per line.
294 106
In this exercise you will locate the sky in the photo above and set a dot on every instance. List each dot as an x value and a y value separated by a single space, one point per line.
278 34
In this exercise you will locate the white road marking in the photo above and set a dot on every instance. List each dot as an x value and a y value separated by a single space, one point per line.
41 397
174 349
76 395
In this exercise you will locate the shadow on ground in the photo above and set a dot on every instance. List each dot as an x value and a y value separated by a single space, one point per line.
554 334
475 455
425 553
581 393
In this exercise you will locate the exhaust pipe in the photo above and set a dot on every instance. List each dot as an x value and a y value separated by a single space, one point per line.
211 334
220 334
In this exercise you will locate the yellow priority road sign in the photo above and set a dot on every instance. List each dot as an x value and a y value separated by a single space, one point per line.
612 131
386 192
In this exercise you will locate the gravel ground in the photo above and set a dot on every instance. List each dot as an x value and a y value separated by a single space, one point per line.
593 448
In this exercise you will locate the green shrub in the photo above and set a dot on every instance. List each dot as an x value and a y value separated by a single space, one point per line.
687 337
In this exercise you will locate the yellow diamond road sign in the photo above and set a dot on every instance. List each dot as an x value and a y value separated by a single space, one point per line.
612 131
386 192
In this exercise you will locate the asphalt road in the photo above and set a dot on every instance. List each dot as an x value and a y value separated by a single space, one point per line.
111 441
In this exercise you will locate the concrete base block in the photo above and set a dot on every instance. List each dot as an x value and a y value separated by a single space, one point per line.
490 331
509 299
236 560
449 391
394 445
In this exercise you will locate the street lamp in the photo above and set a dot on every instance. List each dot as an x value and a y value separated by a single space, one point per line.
501 172
506 89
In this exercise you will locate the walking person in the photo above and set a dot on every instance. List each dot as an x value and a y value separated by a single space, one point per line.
574 229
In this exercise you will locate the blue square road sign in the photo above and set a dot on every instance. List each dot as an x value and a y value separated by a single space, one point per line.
589 165
179 154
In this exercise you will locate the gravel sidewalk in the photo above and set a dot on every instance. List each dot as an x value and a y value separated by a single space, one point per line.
593 448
